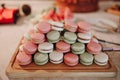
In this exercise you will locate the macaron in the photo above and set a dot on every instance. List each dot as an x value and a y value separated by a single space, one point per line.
45 47
94 47
84 27
29 48
101 59
70 26
23 59
78 48
58 26
86 59
43 27
84 37
27 35
70 37
56 57
62 46
53 36
35 28
37 38
24 40
71 59
40 58
21 47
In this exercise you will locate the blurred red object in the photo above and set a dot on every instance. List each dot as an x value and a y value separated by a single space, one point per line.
58 14
79 5
7 15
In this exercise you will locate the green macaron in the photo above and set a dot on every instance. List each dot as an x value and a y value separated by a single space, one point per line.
53 36
40 58
86 58
70 37
78 48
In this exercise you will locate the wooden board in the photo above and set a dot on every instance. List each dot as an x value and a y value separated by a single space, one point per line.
61 70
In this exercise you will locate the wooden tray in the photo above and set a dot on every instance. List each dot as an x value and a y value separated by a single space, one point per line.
61 70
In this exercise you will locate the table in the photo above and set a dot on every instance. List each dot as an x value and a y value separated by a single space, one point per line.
10 36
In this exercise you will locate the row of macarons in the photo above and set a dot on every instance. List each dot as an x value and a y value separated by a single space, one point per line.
46 26
42 28
70 59
54 36
61 46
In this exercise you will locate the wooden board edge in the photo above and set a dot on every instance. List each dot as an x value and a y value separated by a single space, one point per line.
39 74
9 68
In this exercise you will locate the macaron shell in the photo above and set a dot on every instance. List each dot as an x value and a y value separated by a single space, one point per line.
70 36
45 47
62 46
100 64
85 36
43 27
64 51
70 58
71 64
82 31
78 52
24 63
41 63
102 57
56 56
78 46
40 57
56 62
84 26
23 59
83 41
70 26
86 57
29 47
38 38
94 47
53 36
57 28
69 41
86 63
56 23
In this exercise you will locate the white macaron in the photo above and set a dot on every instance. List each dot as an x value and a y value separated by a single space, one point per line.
57 25
101 59
45 47
84 37
56 57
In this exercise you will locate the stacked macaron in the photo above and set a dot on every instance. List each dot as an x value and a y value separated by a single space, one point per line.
57 42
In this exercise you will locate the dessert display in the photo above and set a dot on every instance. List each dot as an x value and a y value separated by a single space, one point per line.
57 42
54 13
79 5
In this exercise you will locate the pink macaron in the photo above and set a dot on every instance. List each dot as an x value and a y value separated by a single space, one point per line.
24 40
71 59
29 48
23 59
70 26
94 47
84 27
43 27
27 35
62 46
37 38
